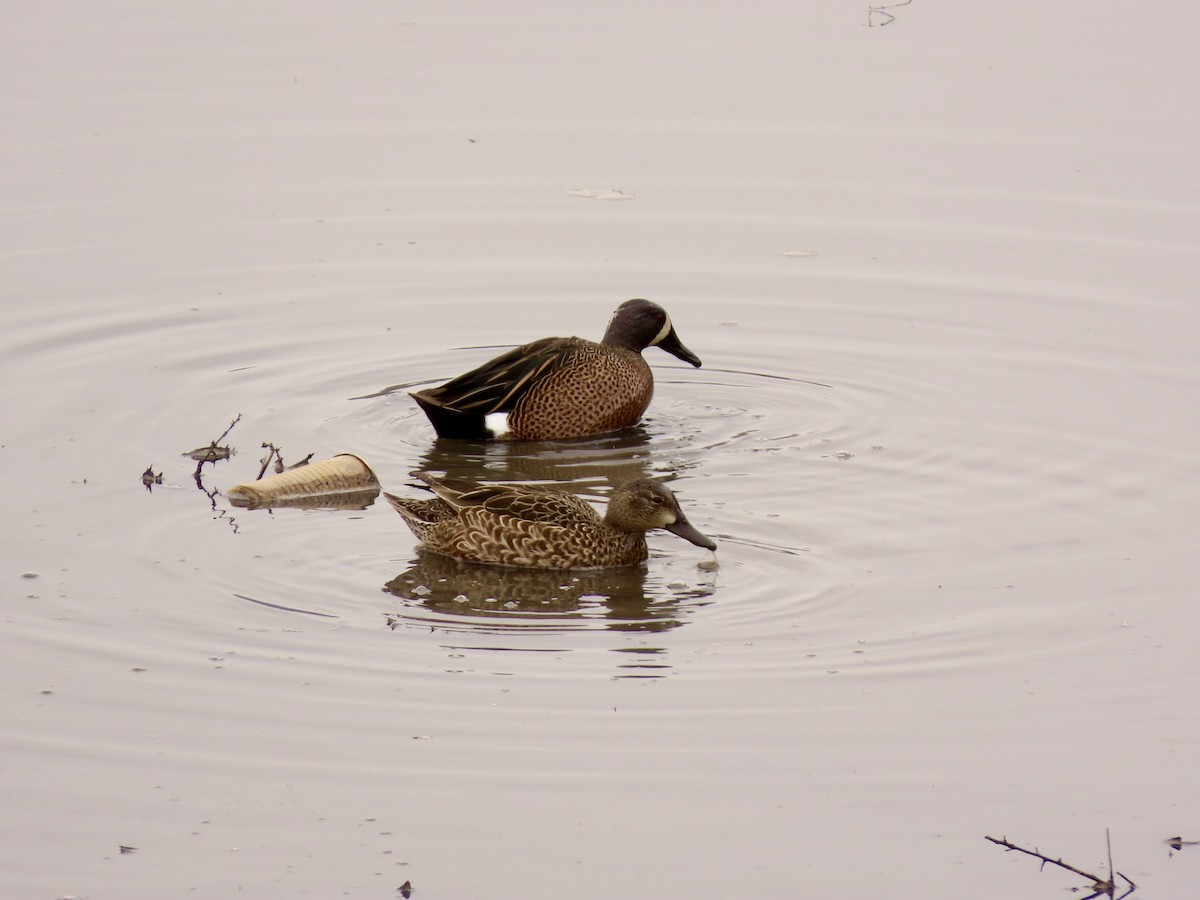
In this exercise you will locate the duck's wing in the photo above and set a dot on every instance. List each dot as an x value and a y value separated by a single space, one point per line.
498 384
528 503
421 515
446 489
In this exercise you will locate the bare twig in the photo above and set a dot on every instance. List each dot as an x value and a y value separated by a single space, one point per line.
212 453
882 11
302 463
1004 842
1106 886
237 419
1108 842
272 453
276 453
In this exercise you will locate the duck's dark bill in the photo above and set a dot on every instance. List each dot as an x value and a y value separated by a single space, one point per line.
674 346
684 529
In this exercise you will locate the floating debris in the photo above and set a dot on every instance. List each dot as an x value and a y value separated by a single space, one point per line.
340 482
209 454
601 194
213 453
276 454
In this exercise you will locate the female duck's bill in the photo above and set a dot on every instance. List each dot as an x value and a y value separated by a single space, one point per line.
542 527
560 387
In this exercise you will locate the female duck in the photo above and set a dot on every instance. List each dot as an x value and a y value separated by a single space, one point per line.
542 527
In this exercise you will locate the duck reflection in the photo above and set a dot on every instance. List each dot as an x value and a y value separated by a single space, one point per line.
580 466
440 590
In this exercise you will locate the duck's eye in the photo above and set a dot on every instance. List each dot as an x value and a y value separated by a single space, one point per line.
656 500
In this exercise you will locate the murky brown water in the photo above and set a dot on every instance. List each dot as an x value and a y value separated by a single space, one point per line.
942 277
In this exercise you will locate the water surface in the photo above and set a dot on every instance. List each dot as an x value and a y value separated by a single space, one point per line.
941 275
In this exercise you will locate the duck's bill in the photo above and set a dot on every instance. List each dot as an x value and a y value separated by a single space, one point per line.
684 529
673 345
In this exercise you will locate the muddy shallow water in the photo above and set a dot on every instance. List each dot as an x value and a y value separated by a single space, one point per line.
942 277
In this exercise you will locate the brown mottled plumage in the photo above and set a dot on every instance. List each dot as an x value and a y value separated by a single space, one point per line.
559 387
542 527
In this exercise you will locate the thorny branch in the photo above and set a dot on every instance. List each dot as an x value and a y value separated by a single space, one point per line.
1106 886
212 453
236 419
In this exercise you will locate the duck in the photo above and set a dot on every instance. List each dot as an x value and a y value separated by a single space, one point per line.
558 388
541 527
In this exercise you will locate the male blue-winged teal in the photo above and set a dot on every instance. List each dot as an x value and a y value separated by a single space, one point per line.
542 527
559 387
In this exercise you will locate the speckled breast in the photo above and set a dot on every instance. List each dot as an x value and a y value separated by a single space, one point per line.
603 391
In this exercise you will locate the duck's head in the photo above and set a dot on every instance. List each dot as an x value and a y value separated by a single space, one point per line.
638 324
645 504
